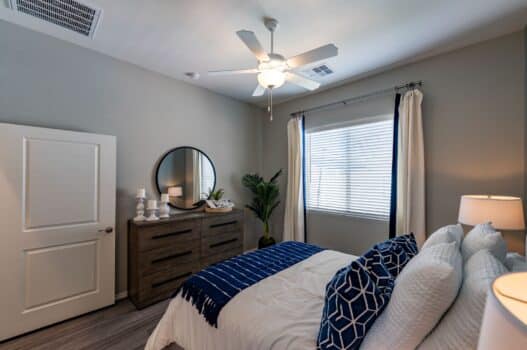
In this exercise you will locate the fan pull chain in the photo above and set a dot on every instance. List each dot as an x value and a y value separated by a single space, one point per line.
270 104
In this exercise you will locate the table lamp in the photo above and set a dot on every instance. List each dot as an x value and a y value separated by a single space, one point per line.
504 212
175 191
504 323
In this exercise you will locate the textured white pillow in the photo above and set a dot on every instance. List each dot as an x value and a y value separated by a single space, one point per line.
459 328
445 234
484 236
423 291
516 262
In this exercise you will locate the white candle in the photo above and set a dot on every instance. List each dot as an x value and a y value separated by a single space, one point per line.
141 193
151 204
165 198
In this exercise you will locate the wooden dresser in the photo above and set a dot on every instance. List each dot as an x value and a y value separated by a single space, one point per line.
162 254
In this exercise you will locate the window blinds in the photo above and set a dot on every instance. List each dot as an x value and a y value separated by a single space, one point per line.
348 169
206 175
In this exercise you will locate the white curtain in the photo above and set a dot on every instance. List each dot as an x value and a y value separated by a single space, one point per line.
294 205
411 168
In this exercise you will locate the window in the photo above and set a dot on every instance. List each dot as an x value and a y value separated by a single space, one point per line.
348 168
206 175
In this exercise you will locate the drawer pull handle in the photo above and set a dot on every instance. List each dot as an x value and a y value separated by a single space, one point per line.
160 283
215 245
188 252
224 224
172 234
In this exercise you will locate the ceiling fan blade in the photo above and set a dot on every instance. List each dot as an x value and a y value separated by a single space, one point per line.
318 54
301 81
259 91
253 44
233 71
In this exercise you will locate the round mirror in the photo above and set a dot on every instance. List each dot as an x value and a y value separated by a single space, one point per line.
187 175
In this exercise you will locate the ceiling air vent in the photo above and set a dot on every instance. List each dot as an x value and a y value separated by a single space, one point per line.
68 14
318 71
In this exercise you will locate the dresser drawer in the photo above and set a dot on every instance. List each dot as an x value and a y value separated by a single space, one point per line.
158 236
225 223
221 243
158 259
163 254
163 284
213 259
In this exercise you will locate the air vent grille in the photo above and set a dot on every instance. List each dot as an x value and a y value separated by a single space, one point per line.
318 71
68 14
322 70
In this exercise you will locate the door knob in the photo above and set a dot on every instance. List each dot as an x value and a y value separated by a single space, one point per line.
107 230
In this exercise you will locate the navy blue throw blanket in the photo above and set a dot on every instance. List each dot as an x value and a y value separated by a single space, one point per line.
212 288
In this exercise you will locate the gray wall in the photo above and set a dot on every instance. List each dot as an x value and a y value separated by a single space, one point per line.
50 83
474 129
473 110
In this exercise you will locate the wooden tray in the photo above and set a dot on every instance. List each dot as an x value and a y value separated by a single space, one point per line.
217 210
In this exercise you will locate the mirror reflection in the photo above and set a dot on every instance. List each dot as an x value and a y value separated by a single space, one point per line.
187 175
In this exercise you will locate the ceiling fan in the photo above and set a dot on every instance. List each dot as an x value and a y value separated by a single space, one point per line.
274 69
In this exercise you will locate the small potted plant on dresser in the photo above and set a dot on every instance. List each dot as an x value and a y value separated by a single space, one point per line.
214 202
264 202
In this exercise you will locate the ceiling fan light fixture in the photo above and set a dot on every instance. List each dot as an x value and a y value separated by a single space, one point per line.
274 69
271 78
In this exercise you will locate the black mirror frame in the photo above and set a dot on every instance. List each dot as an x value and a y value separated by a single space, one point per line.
166 155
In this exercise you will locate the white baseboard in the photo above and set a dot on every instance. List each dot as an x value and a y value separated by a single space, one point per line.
121 296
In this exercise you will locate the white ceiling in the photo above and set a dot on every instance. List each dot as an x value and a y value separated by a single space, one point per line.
177 36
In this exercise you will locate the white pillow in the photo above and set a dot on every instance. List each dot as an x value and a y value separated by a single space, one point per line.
423 291
484 236
445 234
516 262
459 328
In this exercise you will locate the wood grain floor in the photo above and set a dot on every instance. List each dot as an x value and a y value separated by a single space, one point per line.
118 327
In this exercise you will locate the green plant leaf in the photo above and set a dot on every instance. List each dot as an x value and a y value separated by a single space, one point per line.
278 173
265 194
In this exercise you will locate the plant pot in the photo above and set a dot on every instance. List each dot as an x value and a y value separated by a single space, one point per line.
266 242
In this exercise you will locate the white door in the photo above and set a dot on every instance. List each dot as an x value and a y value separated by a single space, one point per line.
57 213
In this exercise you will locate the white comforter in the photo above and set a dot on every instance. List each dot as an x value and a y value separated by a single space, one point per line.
280 312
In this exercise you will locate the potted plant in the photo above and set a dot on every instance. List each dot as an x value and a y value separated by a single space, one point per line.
264 202
213 195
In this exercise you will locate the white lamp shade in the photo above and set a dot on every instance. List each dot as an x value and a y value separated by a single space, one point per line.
505 213
271 78
504 323
175 191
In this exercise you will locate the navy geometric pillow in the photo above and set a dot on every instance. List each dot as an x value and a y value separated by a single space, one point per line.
408 243
397 252
355 297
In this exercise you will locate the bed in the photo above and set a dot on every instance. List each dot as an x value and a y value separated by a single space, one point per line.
371 303
280 312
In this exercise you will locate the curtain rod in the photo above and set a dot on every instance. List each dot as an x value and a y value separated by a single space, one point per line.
409 85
